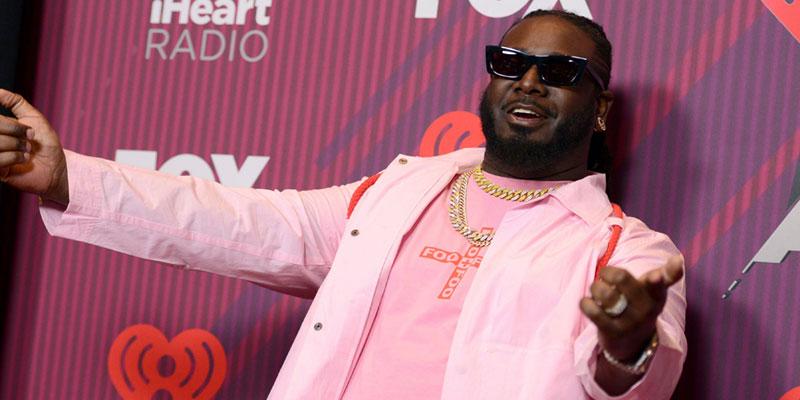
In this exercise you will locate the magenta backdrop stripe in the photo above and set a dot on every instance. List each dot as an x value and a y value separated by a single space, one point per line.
684 78
364 89
29 339
44 342
359 85
96 378
53 343
326 57
754 292
655 101
288 66
96 88
740 203
441 72
80 338
721 223
408 65
249 346
309 99
749 332
783 160
724 118
329 57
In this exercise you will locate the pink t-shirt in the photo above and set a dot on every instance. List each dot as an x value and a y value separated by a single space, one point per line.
407 347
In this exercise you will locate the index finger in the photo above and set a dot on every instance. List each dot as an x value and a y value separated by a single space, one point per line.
673 270
12 127
17 104
616 276
657 281
626 284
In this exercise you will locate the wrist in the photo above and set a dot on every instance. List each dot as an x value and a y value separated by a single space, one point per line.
59 189
638 364
628 346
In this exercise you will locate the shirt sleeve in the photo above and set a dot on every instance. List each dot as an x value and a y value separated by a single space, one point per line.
284 240
640 250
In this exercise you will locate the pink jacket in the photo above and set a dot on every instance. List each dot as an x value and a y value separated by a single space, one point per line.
520 335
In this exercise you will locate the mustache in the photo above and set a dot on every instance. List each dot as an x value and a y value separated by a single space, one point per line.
529 101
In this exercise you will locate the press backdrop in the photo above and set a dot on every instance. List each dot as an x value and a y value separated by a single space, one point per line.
305 94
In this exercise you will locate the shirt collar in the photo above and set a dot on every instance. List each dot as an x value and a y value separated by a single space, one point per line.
586 198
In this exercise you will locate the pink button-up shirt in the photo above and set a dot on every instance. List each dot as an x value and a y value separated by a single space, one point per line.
520 334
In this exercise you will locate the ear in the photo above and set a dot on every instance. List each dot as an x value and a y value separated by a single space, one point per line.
604 101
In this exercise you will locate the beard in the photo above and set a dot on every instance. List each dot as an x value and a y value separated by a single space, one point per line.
522 153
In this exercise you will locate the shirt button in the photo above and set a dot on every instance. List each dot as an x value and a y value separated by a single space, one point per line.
318 326
354 232
403 161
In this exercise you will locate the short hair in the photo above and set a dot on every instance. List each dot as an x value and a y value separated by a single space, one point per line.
591 28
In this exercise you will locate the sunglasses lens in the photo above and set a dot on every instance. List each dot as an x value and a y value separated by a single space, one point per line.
508 64
555 70
560 71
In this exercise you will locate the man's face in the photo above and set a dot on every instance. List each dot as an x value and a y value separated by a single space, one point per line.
561 130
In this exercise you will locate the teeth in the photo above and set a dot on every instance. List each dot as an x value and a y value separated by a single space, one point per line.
524 111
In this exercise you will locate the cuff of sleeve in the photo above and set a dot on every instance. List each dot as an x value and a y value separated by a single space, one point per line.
657 383
84 177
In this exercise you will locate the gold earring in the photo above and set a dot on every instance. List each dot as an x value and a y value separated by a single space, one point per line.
601 123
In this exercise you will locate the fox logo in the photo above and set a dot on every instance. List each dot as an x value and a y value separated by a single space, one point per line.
429 9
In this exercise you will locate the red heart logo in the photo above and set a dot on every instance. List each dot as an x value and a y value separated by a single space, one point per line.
451 131
793 394
142 362
788 12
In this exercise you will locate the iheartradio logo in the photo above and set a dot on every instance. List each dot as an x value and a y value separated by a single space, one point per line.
211 30
143 363
201 12
451 131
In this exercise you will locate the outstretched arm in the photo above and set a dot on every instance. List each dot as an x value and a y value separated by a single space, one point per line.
285 240
649 273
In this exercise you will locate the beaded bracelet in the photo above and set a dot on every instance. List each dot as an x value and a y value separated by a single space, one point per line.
640 366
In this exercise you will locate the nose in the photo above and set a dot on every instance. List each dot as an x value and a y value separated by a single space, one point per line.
530 82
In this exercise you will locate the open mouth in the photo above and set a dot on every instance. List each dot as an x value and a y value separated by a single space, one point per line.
525 116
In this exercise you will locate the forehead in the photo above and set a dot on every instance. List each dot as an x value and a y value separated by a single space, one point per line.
549 35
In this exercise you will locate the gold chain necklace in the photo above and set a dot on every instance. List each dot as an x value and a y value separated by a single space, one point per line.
507 194
457 210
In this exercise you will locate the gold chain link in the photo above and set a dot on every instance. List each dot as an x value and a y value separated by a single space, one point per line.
458 201
507 194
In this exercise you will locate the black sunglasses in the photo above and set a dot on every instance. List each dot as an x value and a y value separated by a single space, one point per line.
554 70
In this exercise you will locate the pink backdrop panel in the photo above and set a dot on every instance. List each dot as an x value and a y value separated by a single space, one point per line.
704 129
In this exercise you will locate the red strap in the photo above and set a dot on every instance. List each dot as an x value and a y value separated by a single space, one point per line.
616 231
360 192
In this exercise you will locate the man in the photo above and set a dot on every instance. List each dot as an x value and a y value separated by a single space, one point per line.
505 305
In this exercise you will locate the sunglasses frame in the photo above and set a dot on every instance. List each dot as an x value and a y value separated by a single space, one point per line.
538 60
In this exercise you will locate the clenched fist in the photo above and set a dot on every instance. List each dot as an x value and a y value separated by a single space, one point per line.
31 157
